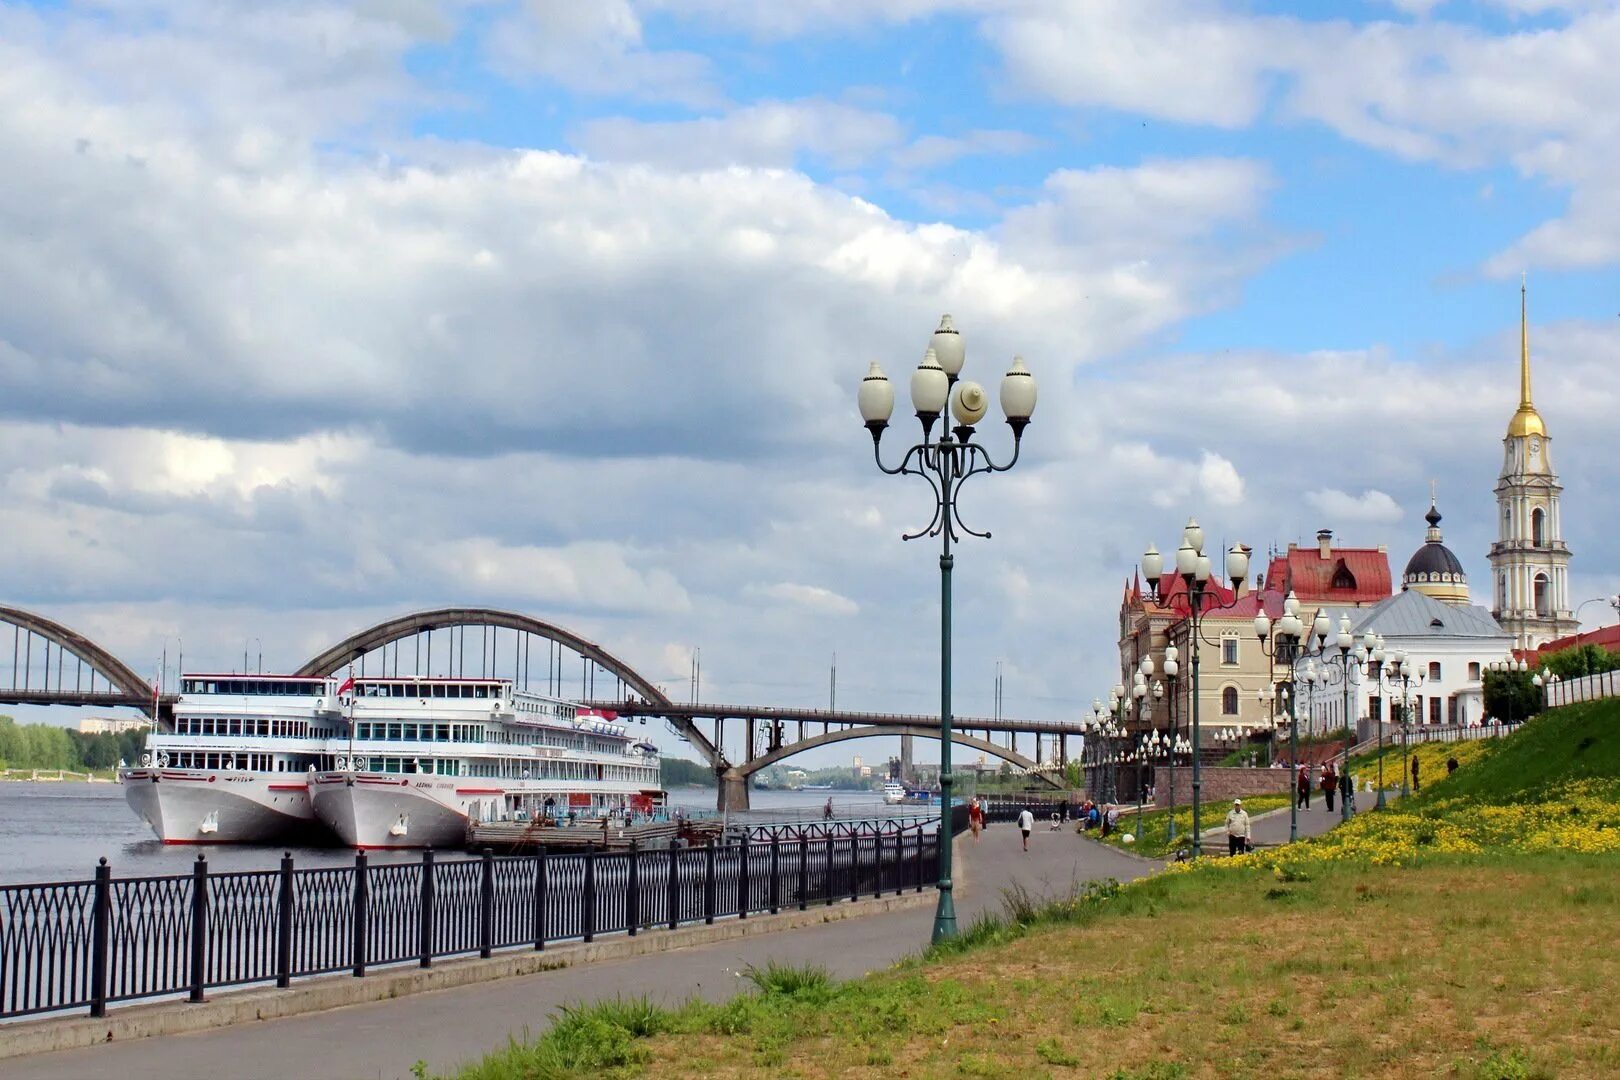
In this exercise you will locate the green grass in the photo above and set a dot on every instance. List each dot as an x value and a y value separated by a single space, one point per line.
1480 965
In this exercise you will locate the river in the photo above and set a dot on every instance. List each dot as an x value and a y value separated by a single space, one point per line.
57 831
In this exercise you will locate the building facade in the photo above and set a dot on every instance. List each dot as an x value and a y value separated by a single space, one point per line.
1529 561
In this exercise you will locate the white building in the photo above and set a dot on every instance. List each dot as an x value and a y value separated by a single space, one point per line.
1450 646
103 725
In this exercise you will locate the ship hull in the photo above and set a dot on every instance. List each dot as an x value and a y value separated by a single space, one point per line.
213 806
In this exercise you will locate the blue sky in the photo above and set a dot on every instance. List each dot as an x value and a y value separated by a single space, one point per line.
317 311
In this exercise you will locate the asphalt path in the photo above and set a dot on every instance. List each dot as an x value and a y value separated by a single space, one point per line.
448 1027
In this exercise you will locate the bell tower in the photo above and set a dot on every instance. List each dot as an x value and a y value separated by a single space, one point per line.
1529 562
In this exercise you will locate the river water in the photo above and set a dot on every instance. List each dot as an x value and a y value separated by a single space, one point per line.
57 831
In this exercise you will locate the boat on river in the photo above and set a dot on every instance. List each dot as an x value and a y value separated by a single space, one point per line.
380 762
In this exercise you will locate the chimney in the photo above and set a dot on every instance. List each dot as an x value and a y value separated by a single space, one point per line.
1324 542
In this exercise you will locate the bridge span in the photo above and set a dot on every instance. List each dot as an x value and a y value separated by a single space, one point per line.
54 665
765 739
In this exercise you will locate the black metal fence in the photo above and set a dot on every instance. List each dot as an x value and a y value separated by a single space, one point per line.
84 944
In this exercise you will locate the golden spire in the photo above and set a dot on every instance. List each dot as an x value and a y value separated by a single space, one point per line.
1526 421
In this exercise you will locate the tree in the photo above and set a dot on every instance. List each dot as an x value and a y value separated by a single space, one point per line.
1587 659
1511 696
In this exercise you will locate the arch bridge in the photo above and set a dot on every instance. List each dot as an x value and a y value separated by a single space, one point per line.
465 642
53 665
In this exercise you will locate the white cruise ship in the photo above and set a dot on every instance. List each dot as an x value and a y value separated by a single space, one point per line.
380 762
236 767
430 755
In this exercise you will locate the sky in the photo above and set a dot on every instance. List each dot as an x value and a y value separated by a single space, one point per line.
313 313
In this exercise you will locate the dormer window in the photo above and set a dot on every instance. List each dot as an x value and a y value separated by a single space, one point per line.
1342 577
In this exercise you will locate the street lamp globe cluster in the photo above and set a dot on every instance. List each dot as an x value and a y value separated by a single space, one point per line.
946 460
1194 568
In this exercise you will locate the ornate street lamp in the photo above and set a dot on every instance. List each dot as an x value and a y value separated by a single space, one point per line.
1343 660
946 461
1193 567
1285 643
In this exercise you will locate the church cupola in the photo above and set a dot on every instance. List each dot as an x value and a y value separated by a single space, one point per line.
1434 570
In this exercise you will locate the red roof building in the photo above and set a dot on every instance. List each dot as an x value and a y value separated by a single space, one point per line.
1332 576
1606 637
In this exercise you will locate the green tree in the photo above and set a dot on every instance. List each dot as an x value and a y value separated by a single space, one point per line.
1510 695
1587 659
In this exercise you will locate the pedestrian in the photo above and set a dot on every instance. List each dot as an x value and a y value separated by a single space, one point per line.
1347 790
1303 787
826 811
1026 822
1330 783
976 818
1415 785
1237 829
1093 817
1451 765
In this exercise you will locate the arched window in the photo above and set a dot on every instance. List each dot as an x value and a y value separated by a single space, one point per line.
1501 591
1543 597
1229 701
1538 527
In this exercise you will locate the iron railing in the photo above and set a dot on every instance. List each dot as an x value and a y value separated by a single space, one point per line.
87 944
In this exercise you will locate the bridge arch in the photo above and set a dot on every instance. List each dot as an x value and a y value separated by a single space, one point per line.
406 626
120 677
921 732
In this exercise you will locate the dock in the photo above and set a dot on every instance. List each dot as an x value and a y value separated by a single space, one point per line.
604 835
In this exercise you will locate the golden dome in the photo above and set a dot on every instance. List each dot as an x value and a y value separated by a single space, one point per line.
1526 422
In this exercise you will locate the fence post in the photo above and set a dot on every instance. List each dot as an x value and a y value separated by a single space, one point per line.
674 883
486 904
877 865
100 934
828 842
776 875
854 866
284 923
429 901
362 913
199 925
708 885
743 898
919 858
542 885
588 916
804 871
632 892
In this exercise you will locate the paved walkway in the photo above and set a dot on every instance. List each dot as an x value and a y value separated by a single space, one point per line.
448 1027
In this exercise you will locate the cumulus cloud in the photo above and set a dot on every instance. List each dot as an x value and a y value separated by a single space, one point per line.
813 597
1370 507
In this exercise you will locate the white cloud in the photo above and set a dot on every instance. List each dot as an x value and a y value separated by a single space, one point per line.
1370 507
812 597
772 133
1218 480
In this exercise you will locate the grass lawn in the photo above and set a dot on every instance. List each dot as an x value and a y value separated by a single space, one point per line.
1467 931
1151 837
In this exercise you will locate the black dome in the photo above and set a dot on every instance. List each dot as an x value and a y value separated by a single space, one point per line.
1434 558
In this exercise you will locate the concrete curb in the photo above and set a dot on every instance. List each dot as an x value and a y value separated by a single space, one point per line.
335 991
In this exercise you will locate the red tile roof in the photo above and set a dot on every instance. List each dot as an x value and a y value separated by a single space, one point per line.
1311 577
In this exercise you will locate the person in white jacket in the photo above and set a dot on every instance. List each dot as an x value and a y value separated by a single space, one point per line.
1237 829
1026 822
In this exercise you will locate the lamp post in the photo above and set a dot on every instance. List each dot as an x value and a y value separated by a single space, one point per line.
1342 663
1544 681
1400 675
1283 650
1507 669
946 461
1193 567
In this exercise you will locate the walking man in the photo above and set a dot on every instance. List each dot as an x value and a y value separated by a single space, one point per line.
976 818
1416 787
1026 822
1303 787
1237 829
1330 783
